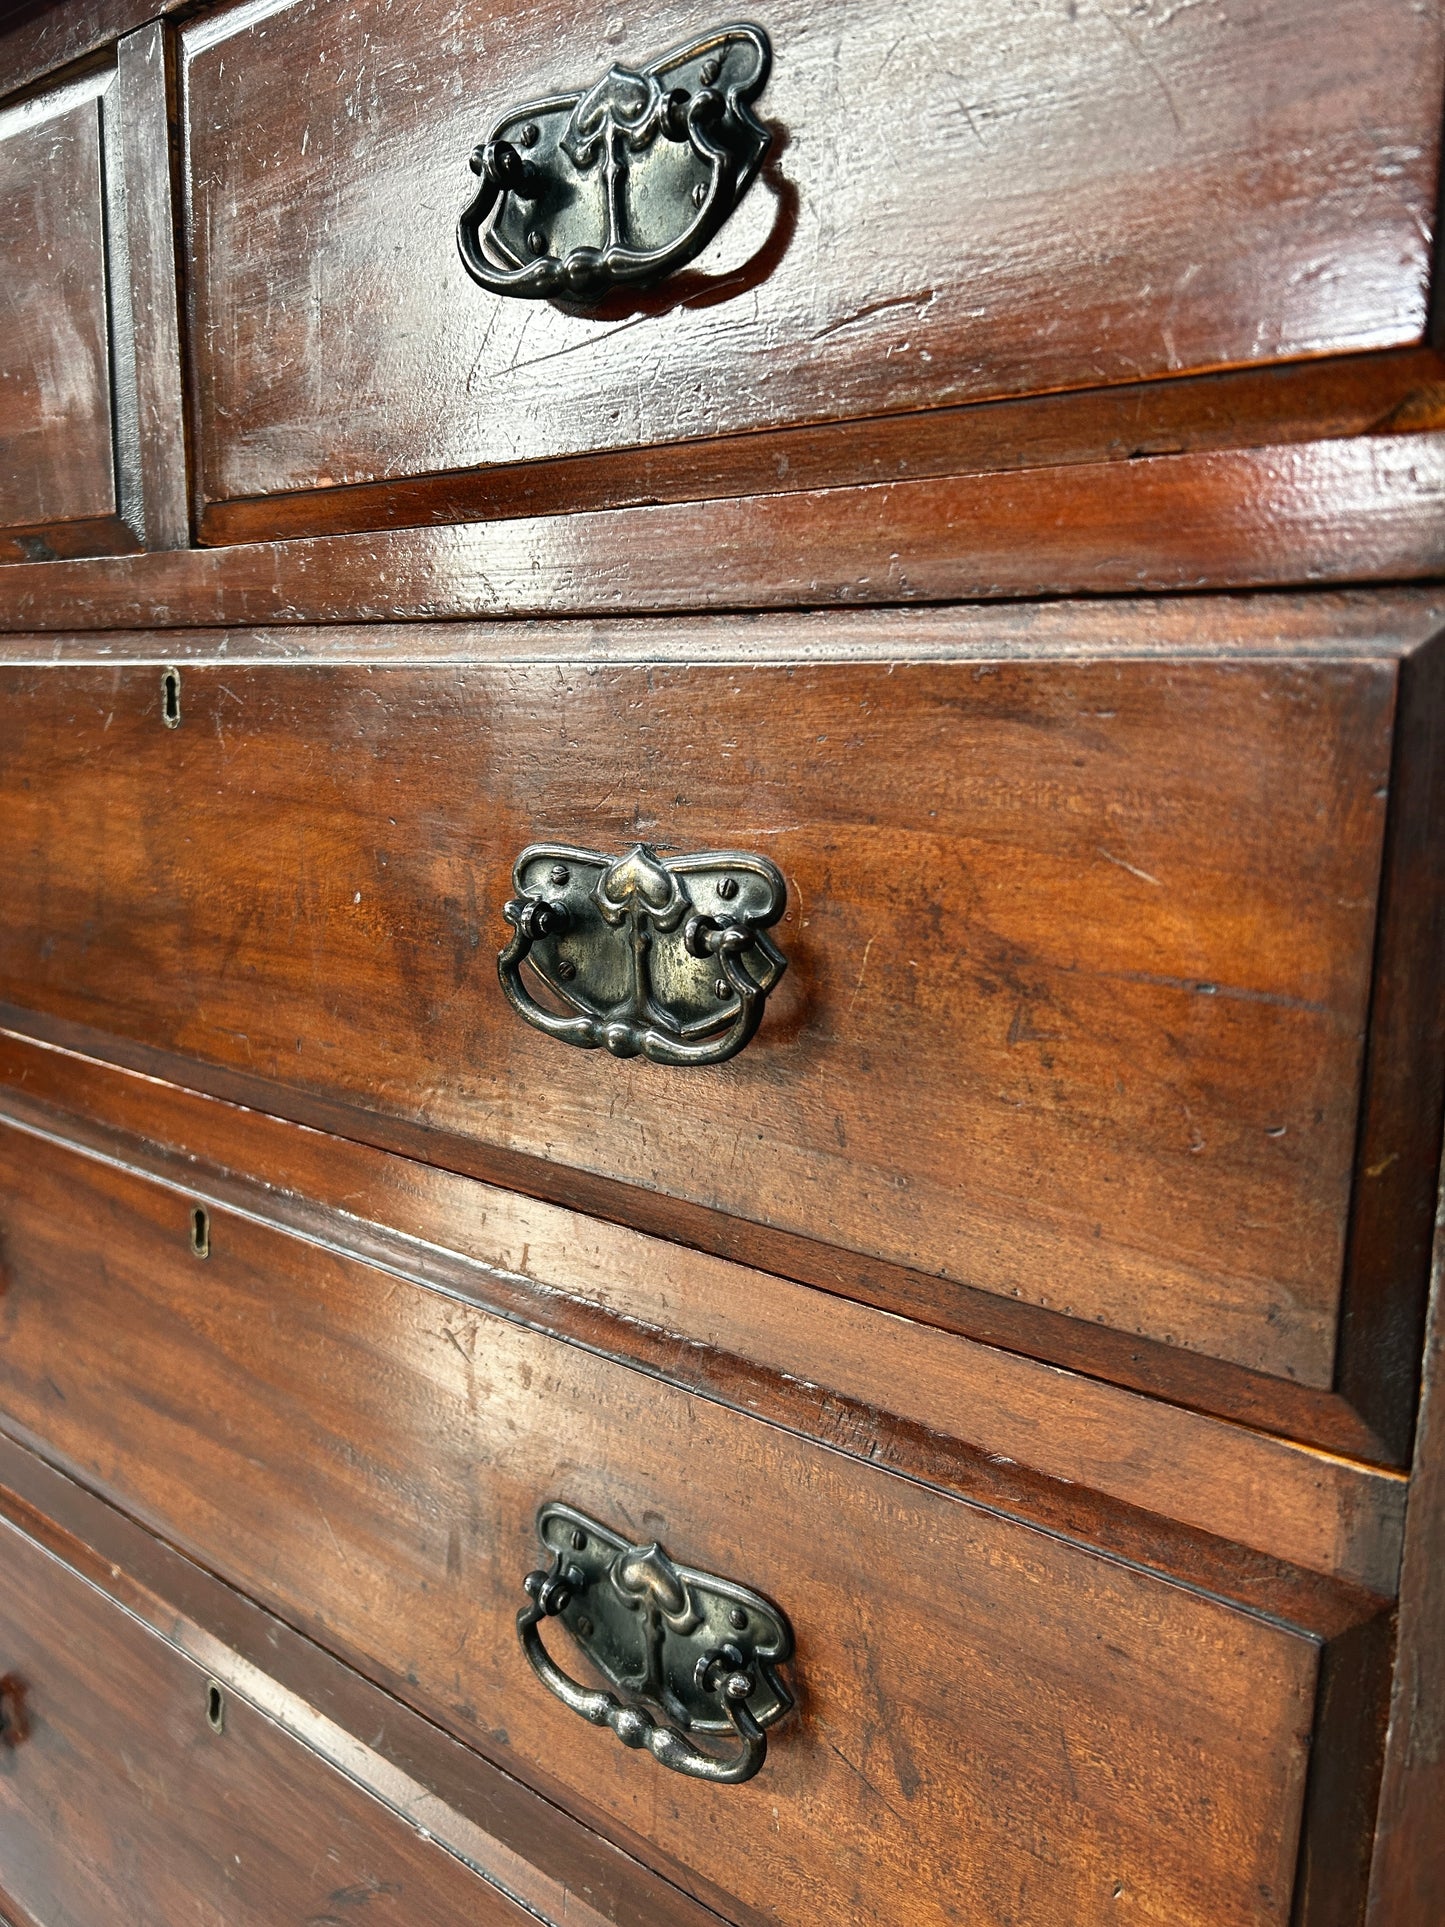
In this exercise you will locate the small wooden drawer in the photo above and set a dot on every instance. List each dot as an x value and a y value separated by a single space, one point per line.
134 1787
983 1709
1079 980
959 203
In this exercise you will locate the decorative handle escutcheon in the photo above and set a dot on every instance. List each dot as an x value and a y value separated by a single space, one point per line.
618 184
664 957
687 1652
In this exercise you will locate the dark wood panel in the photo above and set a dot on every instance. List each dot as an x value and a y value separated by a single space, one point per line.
959 206
37 37
1247 1517
1250 407
979 1703
150 416
1408 1881
1363 510
56 456
1115 1073
121 1795
519 1842
1398 1161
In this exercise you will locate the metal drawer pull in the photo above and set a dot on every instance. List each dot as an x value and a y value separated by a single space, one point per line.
618 185
659 957
696 1651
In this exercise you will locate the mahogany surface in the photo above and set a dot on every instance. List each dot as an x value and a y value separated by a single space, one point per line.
960 203
1027 524
365 1456
518 1842
1240 1513
1073 1014
57 473
1360 509
121 1800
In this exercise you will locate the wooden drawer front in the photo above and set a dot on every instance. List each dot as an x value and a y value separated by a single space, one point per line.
985 1710
56 459
965 201
1079 955
120 1800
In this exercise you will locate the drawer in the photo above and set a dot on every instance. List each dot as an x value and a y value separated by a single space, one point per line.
988 1716
57 463
966 202
1079 955
134 1787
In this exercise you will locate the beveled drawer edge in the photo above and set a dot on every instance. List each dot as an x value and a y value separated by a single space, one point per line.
1332 512
1275 625
1182 1491
288 1679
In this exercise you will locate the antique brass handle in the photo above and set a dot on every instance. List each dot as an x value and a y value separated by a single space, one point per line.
658 957
618 184
686 1651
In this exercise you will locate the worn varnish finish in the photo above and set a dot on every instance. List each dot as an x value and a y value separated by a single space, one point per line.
518 1842
150 416
963 1681
1091 201
57 465
1358 510
1163 1485
122 1796
1067 1407
1241 408
1118 1077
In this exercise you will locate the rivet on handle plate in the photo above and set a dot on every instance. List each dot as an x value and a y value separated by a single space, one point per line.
687 1652
617 184
664 957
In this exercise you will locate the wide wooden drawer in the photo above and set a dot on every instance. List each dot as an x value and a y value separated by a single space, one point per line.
1079 956
135 1788
961 202
984 1710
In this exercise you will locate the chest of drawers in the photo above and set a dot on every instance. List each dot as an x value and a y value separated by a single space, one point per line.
722 767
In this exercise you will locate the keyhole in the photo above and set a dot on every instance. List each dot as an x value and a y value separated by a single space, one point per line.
171 699
215 1708
201 1232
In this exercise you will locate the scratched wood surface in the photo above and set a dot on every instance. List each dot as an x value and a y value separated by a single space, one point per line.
57 476
121 1802
565 1872
1263 1521
979 1704
1356 510
961 203
1074 1015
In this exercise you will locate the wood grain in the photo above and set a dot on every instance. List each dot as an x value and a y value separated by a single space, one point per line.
151 444
1115 1072
1091 202
1408 1881
1167 1488
520 1842
38 37
1239 408
365 1456
56 456
122 1797
1352 511
1379 624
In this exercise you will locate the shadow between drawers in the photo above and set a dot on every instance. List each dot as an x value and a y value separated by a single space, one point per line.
1322 1418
